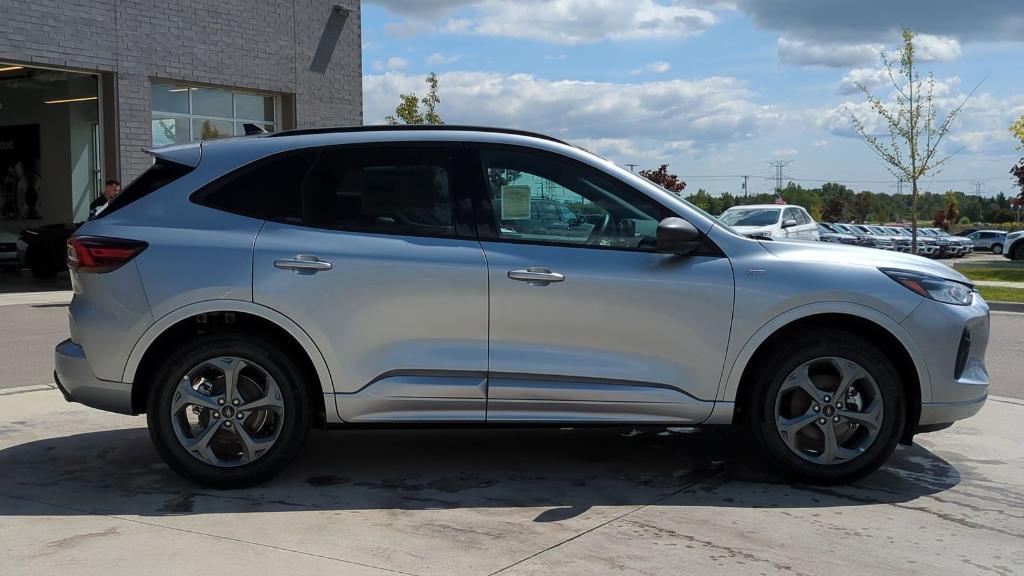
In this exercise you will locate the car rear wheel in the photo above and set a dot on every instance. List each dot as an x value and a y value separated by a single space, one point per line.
829 408
997 248
228 411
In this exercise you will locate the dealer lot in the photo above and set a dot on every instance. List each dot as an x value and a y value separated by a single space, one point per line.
84 490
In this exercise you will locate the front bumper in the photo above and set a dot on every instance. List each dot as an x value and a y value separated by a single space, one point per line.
76 381
935 414
952 340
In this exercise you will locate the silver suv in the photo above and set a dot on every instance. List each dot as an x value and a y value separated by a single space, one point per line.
240 292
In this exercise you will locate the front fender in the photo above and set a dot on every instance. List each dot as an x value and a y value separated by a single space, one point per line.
734 371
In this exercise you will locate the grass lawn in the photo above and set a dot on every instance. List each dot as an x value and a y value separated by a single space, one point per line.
996 294
995 274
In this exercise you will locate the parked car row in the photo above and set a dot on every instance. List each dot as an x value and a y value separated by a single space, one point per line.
931 242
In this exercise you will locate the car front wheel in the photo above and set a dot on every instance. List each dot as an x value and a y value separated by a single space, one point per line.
828 408
228 411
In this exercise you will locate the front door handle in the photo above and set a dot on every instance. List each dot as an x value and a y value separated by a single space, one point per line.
303 264
536 276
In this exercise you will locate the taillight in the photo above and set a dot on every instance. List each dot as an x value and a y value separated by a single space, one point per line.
99 254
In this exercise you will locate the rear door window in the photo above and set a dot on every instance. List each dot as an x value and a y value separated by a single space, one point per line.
383 190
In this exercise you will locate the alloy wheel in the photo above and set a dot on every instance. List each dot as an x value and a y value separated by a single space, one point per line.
829 410
227 411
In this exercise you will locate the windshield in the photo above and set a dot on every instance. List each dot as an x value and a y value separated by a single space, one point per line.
750 216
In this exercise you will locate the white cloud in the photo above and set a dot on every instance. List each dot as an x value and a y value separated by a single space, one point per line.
653 68
652 117
980 127
584 21
869 77
438 58
930 47
820 143
785 152
804 53
555 21
392 63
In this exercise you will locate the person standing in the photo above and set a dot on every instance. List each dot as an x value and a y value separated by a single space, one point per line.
110 191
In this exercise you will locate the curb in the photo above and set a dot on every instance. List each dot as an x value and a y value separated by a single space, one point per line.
1006 307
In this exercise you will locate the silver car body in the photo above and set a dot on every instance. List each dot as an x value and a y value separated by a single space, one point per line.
987 239
418 329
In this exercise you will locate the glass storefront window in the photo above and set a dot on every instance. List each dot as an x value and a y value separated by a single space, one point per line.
167 131
187 114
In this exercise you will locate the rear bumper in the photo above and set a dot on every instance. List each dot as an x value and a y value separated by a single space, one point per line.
76 381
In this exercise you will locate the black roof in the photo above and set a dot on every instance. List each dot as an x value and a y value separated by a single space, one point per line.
414 127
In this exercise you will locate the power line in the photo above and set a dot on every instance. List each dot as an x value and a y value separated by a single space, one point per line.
779 165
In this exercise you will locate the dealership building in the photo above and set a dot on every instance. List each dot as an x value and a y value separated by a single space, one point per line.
86 85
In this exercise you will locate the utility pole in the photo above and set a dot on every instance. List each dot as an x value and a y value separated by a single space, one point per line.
977 192
632 167
779 165
745 186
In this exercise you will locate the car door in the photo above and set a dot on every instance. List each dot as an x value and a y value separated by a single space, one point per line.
791 231
370 258
601 327
808 228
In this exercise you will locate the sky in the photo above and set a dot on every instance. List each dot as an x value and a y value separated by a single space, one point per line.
715 89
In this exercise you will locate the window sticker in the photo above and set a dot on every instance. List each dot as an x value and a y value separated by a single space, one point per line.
515 202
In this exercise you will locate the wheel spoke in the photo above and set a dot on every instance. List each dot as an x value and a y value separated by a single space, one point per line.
849 373
272 401
231 367
800 378
185 395
254 448
200 445
871 417
788 427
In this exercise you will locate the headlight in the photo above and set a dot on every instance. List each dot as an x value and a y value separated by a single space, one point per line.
939 289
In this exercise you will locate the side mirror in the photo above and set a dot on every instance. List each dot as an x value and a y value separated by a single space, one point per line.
788 223
677 236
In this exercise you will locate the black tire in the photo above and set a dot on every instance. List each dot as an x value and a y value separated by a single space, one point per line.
1018 251
997 248
293 431
42 264
784 359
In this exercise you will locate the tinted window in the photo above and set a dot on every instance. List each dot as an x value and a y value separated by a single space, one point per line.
392 190
263 190
159 175
529 191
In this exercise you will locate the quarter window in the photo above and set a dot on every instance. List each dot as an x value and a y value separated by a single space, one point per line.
538 198
184 114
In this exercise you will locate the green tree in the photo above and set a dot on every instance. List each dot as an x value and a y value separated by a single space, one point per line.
408 109
1017 129
702 200
863 205
834 210
911 150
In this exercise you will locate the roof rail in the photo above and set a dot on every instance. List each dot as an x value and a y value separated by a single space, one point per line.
415 127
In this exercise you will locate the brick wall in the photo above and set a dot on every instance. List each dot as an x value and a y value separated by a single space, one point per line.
254 44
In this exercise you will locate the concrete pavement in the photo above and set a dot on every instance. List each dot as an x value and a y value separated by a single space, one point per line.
84 491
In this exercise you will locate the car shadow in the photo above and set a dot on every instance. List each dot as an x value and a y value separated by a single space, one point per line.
564 471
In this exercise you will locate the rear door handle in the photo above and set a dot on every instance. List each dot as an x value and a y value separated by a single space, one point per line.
303 264
536 276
